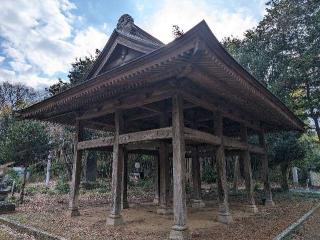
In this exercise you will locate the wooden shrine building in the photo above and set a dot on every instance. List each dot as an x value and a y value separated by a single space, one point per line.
180 97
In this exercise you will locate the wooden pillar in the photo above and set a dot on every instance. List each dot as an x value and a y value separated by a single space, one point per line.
115 217
179 229
196 179
156 180
164 172
76 171
224 215
265 172
125 203
236 174
246 158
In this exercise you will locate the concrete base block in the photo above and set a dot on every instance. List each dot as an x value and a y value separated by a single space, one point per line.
269 203
225 217
114 220
179 233
197 203
251 208
164 211
74 212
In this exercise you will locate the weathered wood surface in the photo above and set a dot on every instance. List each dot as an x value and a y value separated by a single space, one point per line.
265 171
206 102
179 168
196 178
76 172
127 101
236 174
125 203
201 137
246 158
117 171
164 170
156 179
154 134
228 142
224 213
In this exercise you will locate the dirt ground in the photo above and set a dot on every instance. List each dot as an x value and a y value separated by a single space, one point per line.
7 233
49 213
309 230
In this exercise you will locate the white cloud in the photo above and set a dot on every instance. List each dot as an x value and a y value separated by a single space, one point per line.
6 74
40 39
28 78
2 59
187 13
87 41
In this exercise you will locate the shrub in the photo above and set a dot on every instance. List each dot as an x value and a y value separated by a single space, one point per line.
209 175
62 186
13 176
145 184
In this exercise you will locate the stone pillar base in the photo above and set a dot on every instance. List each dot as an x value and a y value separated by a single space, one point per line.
114 220
74 212
125 205
269 203
164 211
197 203
251 208
225 217
156 201
179 233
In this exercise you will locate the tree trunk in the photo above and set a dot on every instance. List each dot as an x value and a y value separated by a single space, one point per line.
48 171
284 173
21 198
316 124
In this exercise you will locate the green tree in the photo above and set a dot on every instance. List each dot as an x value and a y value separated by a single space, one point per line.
78 73
284 148
283 53
26 143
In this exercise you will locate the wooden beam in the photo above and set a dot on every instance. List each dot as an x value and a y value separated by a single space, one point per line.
129 101
211 106
148 135
104 126
202 137
233 143
256 149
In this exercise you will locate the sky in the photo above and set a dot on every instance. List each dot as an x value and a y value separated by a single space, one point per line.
39 39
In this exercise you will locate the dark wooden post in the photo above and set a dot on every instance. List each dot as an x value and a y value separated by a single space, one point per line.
76 171
265 173
245 155
179 229
156 180
196 179
236 174
224 213
115 217
125 203
164 172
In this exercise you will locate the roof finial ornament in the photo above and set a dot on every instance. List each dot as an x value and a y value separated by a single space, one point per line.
125 23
